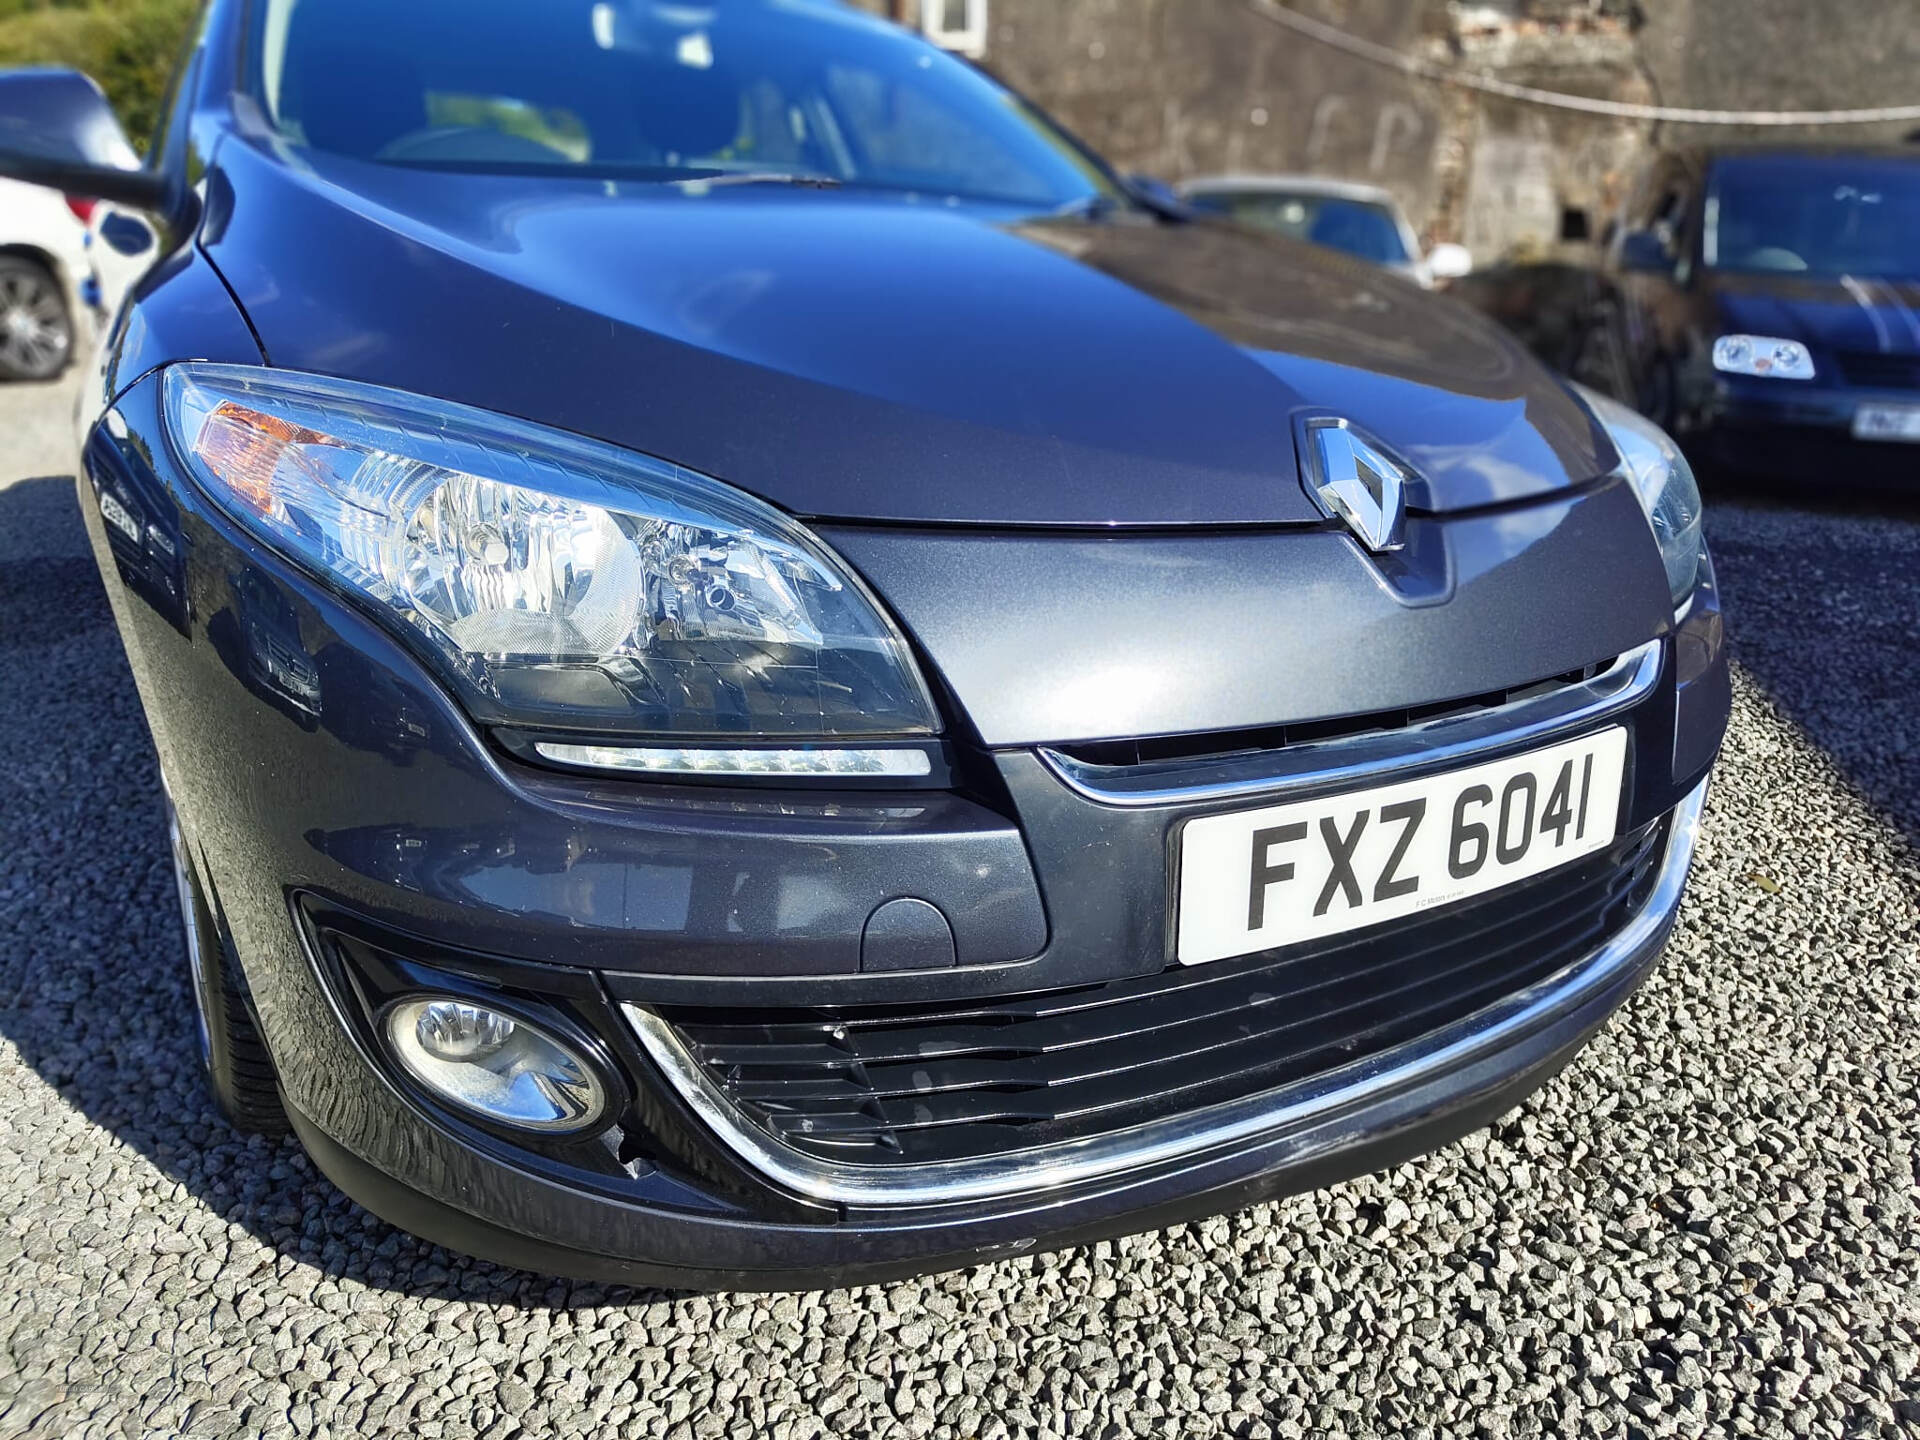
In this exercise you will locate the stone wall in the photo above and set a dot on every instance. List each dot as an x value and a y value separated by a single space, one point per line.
1187 87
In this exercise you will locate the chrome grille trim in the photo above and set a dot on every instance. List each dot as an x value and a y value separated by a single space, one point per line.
1321 764
1240 1122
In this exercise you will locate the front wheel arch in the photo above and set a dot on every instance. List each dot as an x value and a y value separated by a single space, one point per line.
239 1069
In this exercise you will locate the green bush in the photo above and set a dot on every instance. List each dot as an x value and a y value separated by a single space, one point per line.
129 46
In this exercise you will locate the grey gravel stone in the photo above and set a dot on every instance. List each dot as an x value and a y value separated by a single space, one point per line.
1706 1226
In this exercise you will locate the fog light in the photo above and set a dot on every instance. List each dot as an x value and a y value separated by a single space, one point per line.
449 1030
495 1065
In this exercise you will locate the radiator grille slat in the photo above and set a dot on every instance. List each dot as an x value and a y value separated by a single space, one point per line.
1877 371
907 1083
1264 1014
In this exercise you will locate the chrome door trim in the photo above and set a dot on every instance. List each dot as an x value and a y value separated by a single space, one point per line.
1355 758
1251 1120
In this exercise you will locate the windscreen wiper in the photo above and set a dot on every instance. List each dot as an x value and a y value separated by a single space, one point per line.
765 177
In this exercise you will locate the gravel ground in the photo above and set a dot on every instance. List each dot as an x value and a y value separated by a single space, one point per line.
1706 1226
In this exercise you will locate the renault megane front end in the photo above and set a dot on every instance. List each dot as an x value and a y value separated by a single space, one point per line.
766 677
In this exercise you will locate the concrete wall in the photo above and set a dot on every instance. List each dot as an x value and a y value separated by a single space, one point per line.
1186 87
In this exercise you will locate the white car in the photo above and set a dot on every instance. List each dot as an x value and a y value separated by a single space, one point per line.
122 246
44 282
1360 220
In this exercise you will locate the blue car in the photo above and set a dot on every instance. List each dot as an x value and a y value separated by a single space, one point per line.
766 676
1763 304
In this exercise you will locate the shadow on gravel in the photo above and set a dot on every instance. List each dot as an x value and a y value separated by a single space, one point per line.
93 980
1823 611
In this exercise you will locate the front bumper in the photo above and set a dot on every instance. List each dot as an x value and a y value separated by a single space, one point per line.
1265 1148
1794 431
321 772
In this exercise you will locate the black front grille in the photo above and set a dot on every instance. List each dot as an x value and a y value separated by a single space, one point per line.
962 1080
1212 744
1877 371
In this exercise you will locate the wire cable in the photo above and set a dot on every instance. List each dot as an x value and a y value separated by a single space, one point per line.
1392 59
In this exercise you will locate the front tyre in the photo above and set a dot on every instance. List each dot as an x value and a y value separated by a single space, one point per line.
239 1070
36 332
1659 398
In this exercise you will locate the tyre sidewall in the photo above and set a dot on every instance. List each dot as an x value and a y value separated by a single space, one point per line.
238 1068
21 263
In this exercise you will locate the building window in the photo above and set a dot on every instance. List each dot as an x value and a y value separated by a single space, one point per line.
956 24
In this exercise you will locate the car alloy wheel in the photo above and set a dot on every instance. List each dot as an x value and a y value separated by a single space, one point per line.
36 334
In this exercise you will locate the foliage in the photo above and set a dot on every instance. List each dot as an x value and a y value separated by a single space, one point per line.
129 46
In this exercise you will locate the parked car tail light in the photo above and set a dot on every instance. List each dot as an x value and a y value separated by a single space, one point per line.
556 582
82 208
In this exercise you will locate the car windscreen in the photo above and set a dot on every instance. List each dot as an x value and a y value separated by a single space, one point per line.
1829 218
1358 227
648 90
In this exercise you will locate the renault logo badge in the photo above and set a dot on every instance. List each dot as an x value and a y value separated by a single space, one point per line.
1358 484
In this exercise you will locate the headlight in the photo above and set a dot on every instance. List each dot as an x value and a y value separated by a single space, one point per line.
1762 355
560 583
1664 482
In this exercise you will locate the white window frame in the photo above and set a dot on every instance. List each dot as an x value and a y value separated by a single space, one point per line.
970 39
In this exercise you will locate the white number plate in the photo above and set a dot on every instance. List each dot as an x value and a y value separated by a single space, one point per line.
1887 422
1264 878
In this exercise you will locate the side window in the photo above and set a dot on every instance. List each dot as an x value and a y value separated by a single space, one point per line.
1685 226
1648 192
171 119
1667 204
1660 205
1670 217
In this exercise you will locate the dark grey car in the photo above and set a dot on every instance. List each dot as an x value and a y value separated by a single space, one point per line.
767 677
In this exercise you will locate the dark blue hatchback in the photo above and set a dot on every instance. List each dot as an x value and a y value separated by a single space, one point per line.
1763 304
767 677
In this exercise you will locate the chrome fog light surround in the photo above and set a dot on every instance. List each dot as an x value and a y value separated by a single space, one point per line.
494 1064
